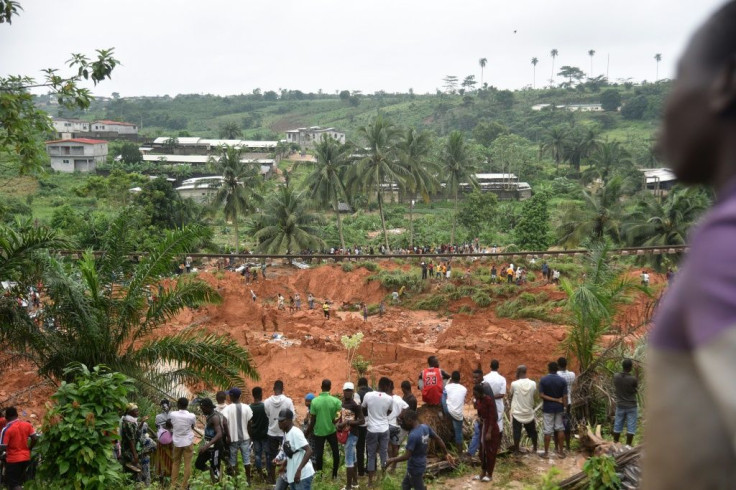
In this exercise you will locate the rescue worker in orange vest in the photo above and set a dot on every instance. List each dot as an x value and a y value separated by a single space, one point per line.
431 382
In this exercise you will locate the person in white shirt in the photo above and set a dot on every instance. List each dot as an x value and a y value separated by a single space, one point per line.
569 377
273 406
299 469
522 407
238 415
182 423
394 428
377 406
498 383
453 401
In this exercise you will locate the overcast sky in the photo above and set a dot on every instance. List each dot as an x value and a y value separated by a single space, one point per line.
231 47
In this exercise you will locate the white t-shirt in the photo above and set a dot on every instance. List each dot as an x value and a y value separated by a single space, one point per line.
397 407
522 401
238 432
498 383
273 405
455 399
182 422
378 404
295 438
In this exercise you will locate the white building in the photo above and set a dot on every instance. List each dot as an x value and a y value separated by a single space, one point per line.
213 144
119 127
659 180
76 154
308 137
62 125
267 165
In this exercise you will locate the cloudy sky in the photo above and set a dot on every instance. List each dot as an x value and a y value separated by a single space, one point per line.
234 46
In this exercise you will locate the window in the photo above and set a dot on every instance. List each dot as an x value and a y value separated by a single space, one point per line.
65 161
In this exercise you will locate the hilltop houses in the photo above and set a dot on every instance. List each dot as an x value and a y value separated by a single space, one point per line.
66 128
76 154
306 138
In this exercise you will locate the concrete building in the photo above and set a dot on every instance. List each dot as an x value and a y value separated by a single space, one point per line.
69 126
570 107
659 180
76 128
202 146
267 165
308 137
76 154
505 186
108 126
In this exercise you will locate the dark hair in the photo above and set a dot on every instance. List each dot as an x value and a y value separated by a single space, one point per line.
257 393
384 383
326 385
409 415
494 365
721 44
478 389
562 363
278 385
406 385
627 365
552 367
431 360
478 371
221 396
206 403
362 381
455 376
11 412
182 403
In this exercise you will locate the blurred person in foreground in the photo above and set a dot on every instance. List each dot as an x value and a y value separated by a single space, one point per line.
690 404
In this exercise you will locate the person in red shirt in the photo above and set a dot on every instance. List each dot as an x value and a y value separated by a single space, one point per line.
431 381
14 437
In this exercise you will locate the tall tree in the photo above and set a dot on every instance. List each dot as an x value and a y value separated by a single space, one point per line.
532 232
597 217
607 157
458 167
554 53
450 84
414 151
571 72
469 83
535 60
657 59
326 182
554 144
482 62
230 130
237 193
591 53
380 166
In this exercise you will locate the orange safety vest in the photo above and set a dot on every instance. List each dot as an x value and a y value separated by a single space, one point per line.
432 389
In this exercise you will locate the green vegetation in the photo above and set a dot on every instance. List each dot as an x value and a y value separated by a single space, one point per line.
601 473
396 280
528 305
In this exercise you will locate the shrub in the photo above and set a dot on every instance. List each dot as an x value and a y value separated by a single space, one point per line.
434 302
347 267
371 266
601 473
396 279
481 299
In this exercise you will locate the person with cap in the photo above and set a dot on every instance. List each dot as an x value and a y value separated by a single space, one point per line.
308 398
238 415
258 430
299 469
324 411
212 447
164 446
14 437
181 422
351 418
129 440
273 406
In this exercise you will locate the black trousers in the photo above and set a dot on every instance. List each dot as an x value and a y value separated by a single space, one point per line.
319 450
531 430
360 448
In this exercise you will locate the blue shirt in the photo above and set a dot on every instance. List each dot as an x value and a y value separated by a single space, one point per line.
555 386
418 443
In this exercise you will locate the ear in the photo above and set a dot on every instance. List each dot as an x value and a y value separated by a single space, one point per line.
723 89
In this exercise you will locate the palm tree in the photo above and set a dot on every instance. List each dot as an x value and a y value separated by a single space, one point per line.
555 143
535 60
458 167
608 156
381 164
236 193
414 151
580 144
657 58
482 62
230 130
287 225
108 309
554 54
591 53
597 217
325 183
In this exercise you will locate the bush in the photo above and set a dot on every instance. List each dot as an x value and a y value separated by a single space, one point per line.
395 280
434 302
347 267
371 266
601 473
481 299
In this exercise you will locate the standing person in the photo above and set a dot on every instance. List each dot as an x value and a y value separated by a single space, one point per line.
148 446
351 417
556 276
553 392
510 274
490 436
645 278
280 301
15 437
477 425
129 441
238 416
424 270
263 270
272 406
188 263
246 274
431 381
365 312
394 429
498 384
298 301
569 378
165 446
626 386
453 403
324 411
407 395
310 301
258 430
382 308
377 405
690 354
326 309
221 399
182 423
494 274
363 388
416 451
522 408
212 447
305 424
299 469
545 271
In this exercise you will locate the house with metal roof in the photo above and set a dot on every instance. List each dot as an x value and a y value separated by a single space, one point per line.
308 137
76 154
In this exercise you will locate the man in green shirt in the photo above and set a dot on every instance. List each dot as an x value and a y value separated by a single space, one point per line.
324 410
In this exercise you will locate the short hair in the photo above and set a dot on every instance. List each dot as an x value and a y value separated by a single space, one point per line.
478 372
11 412
257 393
409 415
494 365
627 364
182 403
455 376
384 383
362 381
221 396
562 363
326 385
432 360
278 385
521 369
206 403
406 385
552 367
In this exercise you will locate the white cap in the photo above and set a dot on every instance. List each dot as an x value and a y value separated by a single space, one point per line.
348 386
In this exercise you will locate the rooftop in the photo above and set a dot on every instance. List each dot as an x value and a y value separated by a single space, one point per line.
84 141
119 123
658 174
